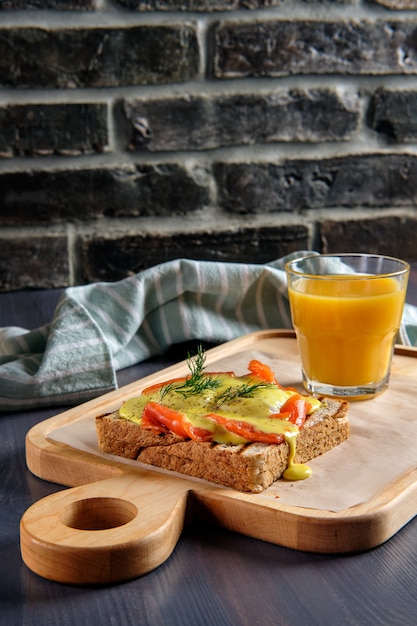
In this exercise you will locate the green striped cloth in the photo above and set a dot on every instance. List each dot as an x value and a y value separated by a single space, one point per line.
100 328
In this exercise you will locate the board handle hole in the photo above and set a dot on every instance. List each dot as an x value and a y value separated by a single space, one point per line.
98 513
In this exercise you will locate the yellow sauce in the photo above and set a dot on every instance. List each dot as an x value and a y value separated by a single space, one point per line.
295 471
256 410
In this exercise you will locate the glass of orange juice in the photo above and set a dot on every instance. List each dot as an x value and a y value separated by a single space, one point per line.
346 311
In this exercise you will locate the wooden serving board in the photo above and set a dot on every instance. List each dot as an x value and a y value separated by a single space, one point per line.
119 521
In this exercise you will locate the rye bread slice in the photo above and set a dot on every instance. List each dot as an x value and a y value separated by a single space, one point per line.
246 467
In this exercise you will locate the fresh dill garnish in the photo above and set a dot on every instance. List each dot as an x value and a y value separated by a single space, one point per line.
247 390
197 382
165 389
196 364
204 383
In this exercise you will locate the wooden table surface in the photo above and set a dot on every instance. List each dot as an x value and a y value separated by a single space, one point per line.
213 577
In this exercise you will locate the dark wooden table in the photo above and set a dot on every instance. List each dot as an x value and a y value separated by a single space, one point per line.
213 577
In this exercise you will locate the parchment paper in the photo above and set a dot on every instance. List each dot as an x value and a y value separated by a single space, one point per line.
382 443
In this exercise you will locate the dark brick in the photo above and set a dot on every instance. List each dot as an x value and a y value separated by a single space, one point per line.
38 197
62 5
392 235
44 129
394 113
282 48
98 57
196 5
114 258
33 261
206 122
377 180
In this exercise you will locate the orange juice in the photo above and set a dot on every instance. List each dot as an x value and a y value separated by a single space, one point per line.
346 326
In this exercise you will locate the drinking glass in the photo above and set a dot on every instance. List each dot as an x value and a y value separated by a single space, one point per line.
346 311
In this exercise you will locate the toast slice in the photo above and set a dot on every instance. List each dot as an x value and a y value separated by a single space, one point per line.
249 467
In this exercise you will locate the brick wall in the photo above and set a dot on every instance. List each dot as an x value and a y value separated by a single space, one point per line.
136 131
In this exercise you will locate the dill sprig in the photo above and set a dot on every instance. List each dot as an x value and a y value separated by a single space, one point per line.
247 390
197 382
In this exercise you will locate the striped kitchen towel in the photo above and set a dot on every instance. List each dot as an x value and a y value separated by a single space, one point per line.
100 328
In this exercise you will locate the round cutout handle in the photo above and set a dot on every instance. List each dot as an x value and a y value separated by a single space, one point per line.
110 531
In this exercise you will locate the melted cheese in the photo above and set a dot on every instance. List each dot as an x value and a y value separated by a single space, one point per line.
255 410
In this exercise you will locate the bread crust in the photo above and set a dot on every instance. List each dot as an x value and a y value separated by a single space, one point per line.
250 467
